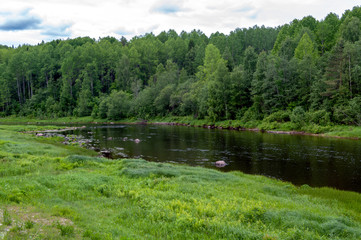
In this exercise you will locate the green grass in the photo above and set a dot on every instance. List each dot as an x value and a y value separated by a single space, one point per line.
52 191
29 128
63 120
327 131
14 119
345 131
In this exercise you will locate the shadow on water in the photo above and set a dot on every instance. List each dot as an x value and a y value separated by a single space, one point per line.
299 159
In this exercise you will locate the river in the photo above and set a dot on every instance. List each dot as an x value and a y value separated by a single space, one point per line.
316 161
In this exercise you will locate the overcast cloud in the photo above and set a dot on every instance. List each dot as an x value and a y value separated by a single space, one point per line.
31 21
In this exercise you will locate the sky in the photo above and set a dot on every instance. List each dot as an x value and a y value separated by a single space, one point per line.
33 21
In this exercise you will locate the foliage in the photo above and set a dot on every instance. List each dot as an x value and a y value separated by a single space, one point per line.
118 105
320 117
279 116
350 113
305 47
298 116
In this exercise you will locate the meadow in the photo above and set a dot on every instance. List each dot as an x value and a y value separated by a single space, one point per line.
53 191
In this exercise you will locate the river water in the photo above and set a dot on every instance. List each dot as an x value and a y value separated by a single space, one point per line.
315 161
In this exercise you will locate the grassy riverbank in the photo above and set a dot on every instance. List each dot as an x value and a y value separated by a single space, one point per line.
342 131
270 126
52 191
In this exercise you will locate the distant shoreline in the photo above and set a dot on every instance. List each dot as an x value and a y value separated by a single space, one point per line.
341 132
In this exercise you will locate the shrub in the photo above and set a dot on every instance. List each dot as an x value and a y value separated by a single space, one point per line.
298 116
251 114
103 108
320 117
279 116
118 105
269 125
349 113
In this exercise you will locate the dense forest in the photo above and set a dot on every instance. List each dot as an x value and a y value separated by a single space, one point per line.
307 70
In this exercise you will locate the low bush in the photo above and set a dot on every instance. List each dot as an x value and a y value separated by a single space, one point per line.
279 116
320 117
298 116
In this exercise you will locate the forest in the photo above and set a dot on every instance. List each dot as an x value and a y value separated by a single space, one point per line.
305 71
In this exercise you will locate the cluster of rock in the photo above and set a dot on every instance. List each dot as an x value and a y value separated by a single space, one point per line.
75 140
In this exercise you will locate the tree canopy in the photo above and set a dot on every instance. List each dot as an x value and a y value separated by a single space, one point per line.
307 65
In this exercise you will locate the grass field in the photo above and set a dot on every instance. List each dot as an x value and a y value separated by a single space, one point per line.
52 191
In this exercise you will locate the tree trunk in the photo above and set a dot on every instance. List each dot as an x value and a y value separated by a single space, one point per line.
29 88
24 90
18 85
349 73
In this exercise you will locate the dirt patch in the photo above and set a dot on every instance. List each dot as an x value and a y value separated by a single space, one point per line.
26 223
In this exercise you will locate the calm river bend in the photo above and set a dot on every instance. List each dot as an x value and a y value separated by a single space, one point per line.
316 161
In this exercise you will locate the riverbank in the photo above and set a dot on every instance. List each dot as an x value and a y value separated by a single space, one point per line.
49 190
337 131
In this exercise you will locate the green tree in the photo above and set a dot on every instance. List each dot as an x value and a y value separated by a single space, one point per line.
351 29
219 93
162 101
326 32
305 48
227 55
177 51
119 104
287 49
5 96
85 99
334 74
213 84
123 74
190 64
258 82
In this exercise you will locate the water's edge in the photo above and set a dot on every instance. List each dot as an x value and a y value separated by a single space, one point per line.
182 124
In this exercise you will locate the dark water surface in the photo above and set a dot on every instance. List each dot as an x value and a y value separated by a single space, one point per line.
315 161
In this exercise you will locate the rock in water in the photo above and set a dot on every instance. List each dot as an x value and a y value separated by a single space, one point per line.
221 163
105 153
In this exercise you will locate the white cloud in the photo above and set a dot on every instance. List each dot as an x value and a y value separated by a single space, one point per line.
74 18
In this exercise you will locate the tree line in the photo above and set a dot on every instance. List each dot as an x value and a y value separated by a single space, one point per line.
307 70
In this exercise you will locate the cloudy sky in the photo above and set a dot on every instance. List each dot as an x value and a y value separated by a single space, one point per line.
31 21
